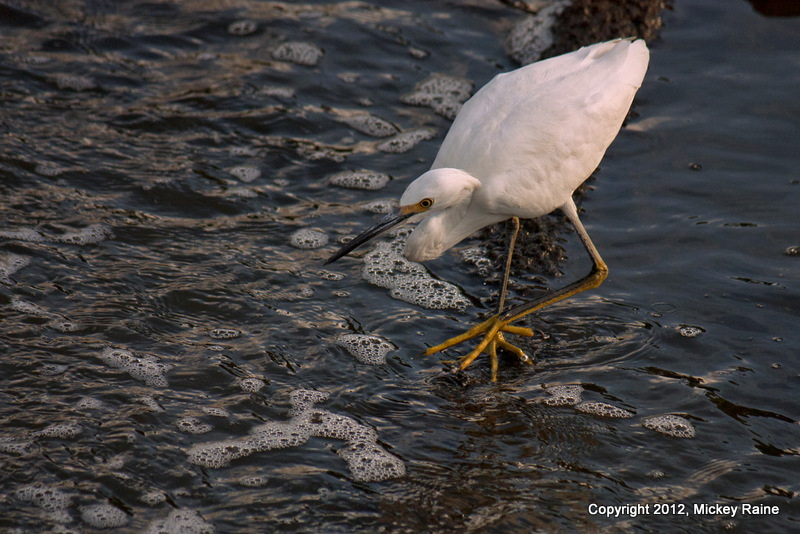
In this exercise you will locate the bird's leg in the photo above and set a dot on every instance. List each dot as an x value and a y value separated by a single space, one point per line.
493 328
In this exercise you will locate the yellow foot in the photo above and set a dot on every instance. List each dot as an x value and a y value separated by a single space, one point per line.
492 330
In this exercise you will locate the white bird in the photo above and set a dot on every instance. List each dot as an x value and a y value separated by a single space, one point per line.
519 148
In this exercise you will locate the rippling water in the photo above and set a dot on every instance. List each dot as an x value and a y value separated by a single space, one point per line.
175 355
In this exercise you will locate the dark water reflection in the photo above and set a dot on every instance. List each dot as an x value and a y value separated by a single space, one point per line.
128 223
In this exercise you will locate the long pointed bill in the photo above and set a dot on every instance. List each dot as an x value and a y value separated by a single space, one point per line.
389 221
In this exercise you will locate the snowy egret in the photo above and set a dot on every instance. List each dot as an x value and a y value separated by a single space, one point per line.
518 149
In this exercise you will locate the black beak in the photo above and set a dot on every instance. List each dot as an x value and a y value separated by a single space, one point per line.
389 221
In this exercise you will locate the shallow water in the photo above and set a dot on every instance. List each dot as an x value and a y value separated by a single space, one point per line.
157 162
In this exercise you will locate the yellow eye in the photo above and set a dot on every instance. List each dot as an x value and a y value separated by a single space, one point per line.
426 203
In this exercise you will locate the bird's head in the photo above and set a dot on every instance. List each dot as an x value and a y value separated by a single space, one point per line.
435 191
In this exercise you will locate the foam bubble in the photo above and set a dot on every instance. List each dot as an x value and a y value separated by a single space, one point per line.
370 124
23 306
53 501
151 404
218 454
48 169
252 385
690 331
283 294
385 266
90 235
10 264
366 180
246 173
298 52
181 522
308 238
371 350
380 207
145 368
14 445
533 34
478 256
73 82
563 395
23 234
603 410
215 411
254 481
242 27
280 92
103 516
243 151
372 463
60 430
442 93
193 425
224 333
671 425
330 275
153 498
89 403
302 399
367 460
403 142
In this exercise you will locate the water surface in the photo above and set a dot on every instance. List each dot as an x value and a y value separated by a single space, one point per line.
157 159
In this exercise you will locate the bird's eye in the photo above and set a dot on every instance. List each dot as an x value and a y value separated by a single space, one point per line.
426 203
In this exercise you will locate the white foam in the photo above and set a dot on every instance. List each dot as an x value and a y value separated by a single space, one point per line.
385 266
242 27
534 34
92 234
246 173
370 124
51 500
308 238
60 430
14 445
603 410
103 516
330 275
671 425
690 331
367 460
300 53
366 180
48 169
145 368
215 411
73 82
563 395
224 333
380 206
403 142
443 93
254 481
371 350
252 385
10 264
89 403
153 498
193 425
23 234
181 521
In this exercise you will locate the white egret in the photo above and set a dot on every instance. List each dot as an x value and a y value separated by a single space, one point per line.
519 148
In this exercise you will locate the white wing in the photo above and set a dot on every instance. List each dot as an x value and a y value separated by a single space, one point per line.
542 129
